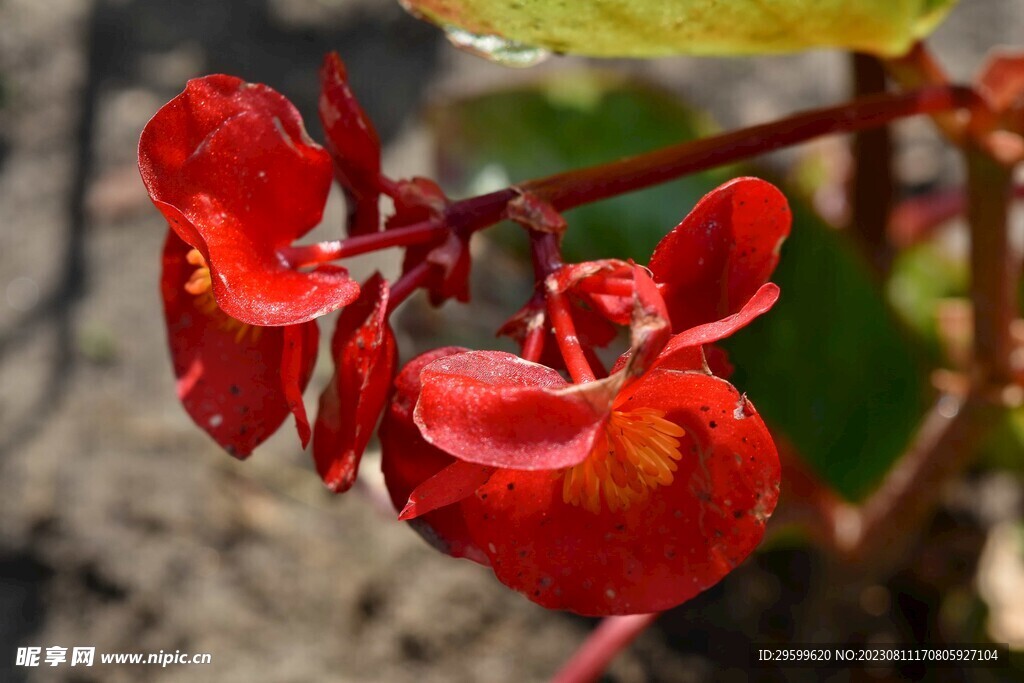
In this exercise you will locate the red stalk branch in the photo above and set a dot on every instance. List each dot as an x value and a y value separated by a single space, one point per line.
567 190
574 188
872 188
568 341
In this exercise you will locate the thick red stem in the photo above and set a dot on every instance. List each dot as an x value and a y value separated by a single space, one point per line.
612 636
872 188
582 186
567 190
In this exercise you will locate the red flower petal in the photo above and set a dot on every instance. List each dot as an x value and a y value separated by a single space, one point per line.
231 167
574 278
660 551
494 408
685 341
650 329
407 460
726 248
354 146
299 350
450 485
233 379
364 353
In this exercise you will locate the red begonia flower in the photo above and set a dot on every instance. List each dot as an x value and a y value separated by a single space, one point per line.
354 146
407 461
238 382
513 413
625 495
722 252
231 167
364 354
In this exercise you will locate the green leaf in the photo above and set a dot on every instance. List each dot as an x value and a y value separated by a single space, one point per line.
567 121
653 28
922 276
830 367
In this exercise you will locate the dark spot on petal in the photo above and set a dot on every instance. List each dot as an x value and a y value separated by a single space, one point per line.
235 391
712 424
511 487
705 409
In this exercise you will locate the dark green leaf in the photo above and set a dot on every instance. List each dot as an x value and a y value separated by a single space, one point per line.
830 367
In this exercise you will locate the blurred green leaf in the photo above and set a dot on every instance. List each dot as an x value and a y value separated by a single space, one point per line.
567 121
830 367
921 277
653 28
1004 447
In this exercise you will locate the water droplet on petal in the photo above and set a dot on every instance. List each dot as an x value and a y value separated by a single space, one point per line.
497 49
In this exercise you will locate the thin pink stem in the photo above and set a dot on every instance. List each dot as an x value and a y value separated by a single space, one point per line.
323 252
568 341
612 636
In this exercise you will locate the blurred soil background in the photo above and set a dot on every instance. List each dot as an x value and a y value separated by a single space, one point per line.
123 527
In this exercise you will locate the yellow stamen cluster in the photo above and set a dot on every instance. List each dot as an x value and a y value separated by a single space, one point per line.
200 285
636 453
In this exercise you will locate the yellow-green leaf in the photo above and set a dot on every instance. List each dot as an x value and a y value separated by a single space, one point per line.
652 28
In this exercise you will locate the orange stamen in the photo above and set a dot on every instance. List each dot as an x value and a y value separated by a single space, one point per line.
200 285
636 453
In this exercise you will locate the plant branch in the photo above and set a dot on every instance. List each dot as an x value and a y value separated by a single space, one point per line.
994 267
574 188
919 68
582 186
872 186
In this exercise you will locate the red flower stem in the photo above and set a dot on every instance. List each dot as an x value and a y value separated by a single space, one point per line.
323 252
568 190
409 283
582 186
547 258
615 286
568 341
533 343
612 636
872 187
919 68
995 268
